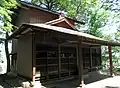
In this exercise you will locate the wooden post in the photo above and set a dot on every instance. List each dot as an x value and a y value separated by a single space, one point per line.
47 67
110 60
77 58
33 74
90 59
80 59
33 57
59 61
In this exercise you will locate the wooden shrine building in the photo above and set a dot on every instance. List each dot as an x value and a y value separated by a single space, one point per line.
55 49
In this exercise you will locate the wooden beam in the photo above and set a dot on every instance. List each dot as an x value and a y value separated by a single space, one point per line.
110 60
80 60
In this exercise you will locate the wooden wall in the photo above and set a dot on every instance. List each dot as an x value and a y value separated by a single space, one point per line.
30 15
23 17
24 56
38 16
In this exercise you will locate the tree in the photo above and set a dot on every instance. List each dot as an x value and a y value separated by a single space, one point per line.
6 12
114 7
90 11
97 20
48 4
6 7
115 55
113 25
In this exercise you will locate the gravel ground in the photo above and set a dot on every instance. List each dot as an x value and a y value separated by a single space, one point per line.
112 82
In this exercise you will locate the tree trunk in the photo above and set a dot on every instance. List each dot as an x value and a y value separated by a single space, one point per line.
7 53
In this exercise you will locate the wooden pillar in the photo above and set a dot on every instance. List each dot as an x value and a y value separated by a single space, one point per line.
59 61
33 57
47 67
77 58
110 60
80 62
90 58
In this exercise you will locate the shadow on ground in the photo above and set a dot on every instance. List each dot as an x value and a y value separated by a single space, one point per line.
111 87
11 81
7 81
95 76
73 83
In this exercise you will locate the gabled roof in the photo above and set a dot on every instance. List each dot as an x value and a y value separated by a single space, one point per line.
60 20
42 27
29 5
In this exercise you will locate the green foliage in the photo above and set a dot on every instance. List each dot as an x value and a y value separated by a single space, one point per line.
96 21
114 7
115 55
90 11
6 7
117 36
48 4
